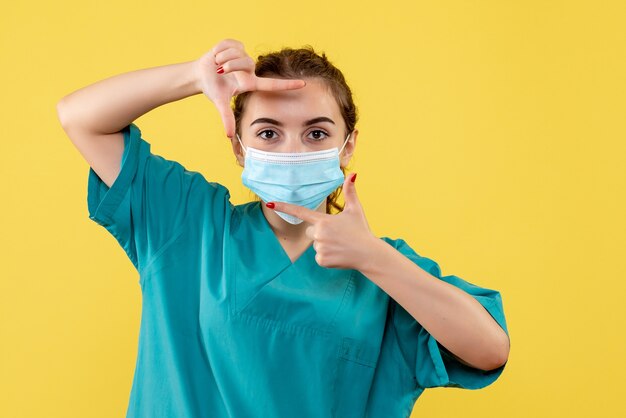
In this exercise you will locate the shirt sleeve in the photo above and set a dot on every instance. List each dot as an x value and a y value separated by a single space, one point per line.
431 364
150 200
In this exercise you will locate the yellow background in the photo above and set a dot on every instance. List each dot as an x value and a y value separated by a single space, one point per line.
491 139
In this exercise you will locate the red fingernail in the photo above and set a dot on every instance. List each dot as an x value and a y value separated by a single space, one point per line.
353 178
220 70
270 205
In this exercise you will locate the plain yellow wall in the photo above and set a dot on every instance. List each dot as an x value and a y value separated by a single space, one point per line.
491 139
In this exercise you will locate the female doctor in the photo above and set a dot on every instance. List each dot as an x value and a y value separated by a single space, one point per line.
287 306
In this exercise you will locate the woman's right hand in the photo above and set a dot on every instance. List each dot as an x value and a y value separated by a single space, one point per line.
237 77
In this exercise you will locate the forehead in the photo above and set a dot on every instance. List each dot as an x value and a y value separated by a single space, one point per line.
313 100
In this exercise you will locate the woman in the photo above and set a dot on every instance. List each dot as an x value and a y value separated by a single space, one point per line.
278 307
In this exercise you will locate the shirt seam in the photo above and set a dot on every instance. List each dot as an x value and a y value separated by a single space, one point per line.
159 253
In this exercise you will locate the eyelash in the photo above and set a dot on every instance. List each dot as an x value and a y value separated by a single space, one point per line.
273 131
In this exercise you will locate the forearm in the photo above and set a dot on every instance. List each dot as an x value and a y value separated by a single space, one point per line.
452 316
109 105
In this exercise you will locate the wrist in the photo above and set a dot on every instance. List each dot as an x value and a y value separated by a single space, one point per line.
193 77
372 248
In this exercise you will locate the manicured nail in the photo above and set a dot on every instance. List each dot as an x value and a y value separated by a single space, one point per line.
220 70
270 205
353 178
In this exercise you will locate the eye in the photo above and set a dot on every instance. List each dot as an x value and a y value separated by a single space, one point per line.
267 134
318 135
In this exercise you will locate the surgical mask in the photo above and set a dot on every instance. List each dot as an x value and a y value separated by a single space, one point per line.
303 178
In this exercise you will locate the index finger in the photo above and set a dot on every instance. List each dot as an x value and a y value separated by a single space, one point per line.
272 84
301 212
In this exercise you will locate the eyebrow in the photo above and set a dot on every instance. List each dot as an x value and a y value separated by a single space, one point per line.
307 123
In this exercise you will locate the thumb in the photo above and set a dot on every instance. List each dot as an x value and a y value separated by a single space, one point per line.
349 189
228 119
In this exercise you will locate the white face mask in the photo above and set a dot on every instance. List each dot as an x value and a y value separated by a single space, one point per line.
303 178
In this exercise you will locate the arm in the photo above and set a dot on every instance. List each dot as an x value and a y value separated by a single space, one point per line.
94 116
453 317
109 105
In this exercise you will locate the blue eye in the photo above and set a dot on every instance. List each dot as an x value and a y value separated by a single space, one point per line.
318 135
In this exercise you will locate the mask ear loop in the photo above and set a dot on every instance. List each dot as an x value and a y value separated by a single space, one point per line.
242 147
344 143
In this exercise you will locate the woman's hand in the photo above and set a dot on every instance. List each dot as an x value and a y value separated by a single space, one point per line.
227 70
340 241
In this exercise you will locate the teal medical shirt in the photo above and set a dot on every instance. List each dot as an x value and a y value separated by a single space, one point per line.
230 327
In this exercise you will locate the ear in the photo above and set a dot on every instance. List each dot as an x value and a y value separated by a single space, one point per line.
348 150
238 151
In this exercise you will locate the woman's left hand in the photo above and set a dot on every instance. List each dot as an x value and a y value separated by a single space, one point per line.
340 241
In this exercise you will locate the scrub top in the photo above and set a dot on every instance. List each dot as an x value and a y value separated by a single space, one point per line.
230 327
